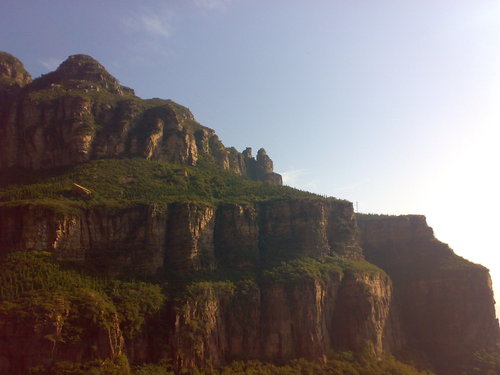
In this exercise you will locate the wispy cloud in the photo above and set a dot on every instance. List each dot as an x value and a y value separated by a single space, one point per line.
213 4
50 63
354 186
156 25
293 177
301 179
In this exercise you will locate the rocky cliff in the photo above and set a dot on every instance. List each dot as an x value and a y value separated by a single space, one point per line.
129 232
80 112
445 303
184 236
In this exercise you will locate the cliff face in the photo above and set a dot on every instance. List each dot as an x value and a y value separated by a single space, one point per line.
183 236
284 320
275 320
80 112
445 303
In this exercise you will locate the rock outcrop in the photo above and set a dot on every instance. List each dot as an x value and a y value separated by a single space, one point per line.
80 112
445 303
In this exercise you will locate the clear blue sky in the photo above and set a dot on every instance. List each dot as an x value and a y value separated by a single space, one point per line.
393 104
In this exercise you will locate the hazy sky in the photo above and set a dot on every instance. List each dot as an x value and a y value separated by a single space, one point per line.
392 104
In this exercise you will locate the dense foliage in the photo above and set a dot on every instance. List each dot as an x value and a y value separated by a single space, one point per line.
33 283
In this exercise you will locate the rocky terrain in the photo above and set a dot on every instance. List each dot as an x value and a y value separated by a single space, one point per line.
130 235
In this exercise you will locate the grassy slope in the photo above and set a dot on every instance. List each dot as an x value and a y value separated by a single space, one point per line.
126 182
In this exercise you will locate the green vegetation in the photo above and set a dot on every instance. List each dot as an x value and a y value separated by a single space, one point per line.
484 362
33 284
128 182
25 272
302 269
343 364
119 366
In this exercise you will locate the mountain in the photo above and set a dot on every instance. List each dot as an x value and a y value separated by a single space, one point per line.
131 237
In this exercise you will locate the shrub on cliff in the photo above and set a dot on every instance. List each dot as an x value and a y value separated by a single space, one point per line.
30 279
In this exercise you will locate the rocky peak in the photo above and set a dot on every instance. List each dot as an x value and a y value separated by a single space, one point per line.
247 153
264 162
261 167
12 71
82 72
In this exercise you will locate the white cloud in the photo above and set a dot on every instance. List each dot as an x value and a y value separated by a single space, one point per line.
213 4
155 25
50 63
293 177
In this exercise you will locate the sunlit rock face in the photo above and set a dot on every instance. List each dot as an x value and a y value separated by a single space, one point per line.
81 112
445 303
